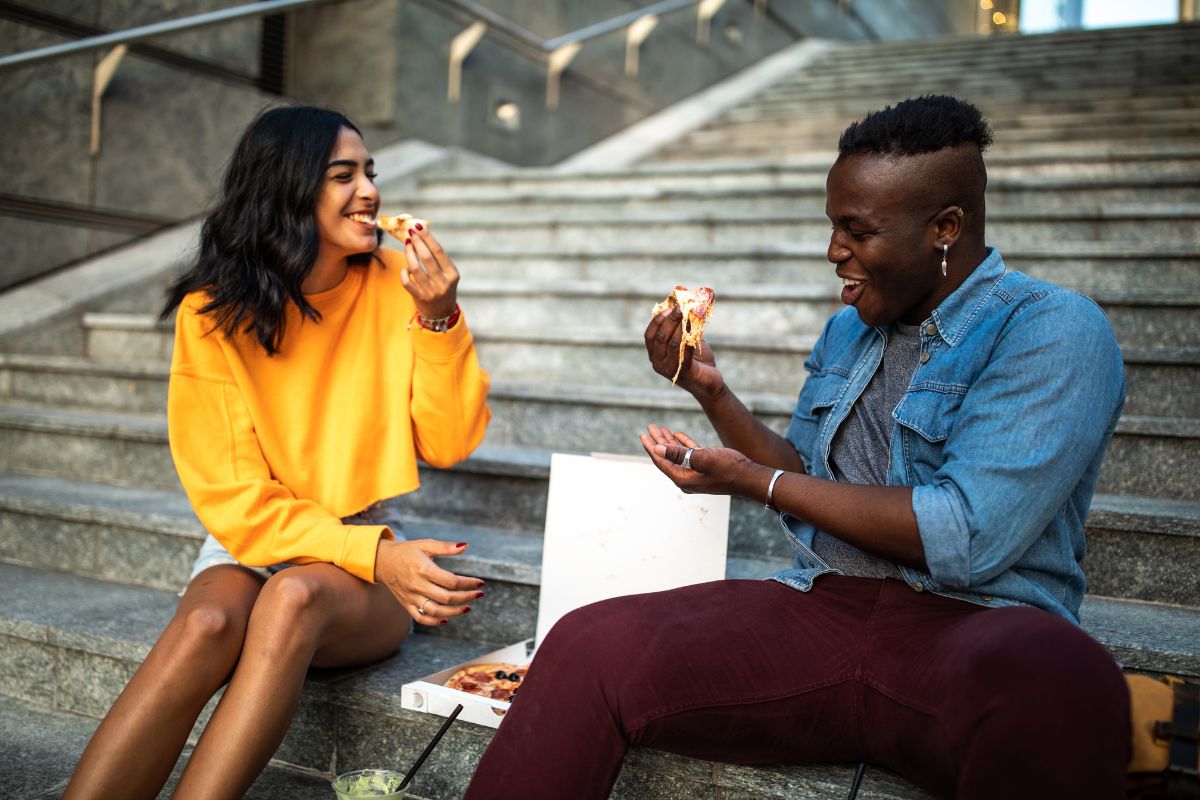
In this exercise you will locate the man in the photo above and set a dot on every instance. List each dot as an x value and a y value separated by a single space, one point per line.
934 481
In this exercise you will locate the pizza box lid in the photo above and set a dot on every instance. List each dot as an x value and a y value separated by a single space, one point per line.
615 525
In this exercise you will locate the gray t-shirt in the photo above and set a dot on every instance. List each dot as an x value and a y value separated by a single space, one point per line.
861 449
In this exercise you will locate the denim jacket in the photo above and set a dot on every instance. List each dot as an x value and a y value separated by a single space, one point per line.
1000 433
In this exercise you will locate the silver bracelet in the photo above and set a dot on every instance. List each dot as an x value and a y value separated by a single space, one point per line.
770 504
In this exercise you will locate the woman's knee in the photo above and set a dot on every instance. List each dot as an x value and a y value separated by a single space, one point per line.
211 627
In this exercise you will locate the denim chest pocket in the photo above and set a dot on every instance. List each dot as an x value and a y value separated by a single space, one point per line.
927 417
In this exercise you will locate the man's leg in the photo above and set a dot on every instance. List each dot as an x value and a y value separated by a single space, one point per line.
740 671
993 703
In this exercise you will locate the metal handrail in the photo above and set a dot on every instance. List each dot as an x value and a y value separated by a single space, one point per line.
248 11
616 23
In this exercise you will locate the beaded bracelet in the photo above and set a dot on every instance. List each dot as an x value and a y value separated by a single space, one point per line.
439 324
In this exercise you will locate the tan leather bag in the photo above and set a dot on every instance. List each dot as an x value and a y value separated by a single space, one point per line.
1165 718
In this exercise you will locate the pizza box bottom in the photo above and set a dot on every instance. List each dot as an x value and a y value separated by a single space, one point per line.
429 695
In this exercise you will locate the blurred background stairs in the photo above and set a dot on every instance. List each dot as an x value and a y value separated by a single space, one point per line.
1094 184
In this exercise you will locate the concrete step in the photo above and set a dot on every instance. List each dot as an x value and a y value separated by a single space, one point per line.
798 118
145 537
1097 161
1163 381
786 138
1168 224
804 194
40 747
1149 455
1139 548
992 105
77 641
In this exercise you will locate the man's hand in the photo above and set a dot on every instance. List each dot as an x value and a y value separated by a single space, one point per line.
699 374
710 470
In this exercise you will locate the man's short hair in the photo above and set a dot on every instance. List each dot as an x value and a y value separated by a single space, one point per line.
917 125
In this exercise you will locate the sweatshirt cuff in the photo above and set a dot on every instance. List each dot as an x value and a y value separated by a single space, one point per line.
359 548
444 345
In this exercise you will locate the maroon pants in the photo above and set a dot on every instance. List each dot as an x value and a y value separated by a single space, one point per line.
965 701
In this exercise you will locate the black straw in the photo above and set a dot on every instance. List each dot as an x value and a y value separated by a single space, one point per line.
429 749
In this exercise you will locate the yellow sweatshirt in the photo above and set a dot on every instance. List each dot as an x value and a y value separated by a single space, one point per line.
273 450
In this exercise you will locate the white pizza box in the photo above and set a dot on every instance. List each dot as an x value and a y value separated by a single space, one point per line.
615 525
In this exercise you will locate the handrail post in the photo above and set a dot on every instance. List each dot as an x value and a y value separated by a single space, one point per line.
558 62
101 77
637 34
704 14
460 47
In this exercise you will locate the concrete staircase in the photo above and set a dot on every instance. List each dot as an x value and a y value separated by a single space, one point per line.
1095 184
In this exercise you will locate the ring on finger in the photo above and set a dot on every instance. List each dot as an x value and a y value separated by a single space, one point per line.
421 608
687 458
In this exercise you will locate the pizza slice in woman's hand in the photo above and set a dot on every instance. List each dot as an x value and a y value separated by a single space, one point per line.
400 225
695 306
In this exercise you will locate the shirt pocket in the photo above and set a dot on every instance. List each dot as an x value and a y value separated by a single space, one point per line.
927 417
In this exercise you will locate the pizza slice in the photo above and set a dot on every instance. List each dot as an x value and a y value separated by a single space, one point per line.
695 305
400 225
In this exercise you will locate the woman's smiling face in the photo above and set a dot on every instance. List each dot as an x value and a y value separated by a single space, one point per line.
348 200
884 240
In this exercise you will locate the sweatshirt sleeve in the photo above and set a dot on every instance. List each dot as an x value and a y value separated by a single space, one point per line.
449 395
228 481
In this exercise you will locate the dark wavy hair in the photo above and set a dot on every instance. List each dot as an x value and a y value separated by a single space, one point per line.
917 125
260 241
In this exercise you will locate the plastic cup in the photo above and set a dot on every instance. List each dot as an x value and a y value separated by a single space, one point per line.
370 783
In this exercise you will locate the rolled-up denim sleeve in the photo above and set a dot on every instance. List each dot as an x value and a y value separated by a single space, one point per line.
1026 433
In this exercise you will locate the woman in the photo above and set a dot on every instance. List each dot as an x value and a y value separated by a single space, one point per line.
311 370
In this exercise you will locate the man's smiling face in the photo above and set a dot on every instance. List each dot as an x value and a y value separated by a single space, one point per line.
884 240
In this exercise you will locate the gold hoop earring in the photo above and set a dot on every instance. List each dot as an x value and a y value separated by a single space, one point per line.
945 252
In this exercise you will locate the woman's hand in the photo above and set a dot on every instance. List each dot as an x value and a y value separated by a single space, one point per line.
699 374
430 594
431 277
712 470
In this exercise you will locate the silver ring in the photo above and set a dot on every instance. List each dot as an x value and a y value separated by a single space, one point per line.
421 608
687 458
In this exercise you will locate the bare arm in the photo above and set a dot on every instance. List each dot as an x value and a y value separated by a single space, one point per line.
877 519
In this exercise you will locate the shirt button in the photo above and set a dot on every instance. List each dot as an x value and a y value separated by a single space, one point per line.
931 329
920 587
924 358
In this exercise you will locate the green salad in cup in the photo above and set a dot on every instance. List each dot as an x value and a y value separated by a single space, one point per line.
368 783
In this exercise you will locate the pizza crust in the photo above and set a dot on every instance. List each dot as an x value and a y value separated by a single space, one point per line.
400 226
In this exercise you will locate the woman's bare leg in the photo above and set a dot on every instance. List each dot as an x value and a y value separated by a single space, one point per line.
312 615
134 749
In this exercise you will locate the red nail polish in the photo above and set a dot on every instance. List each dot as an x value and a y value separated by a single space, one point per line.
443 622
420 227
482 582
478 595
466 609
461 544
407 242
